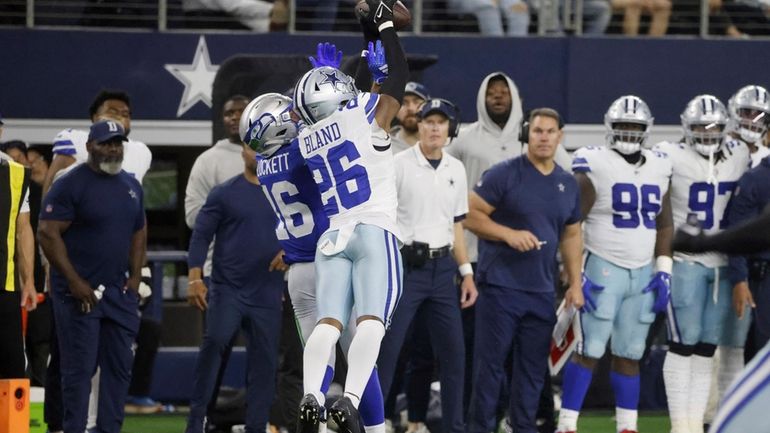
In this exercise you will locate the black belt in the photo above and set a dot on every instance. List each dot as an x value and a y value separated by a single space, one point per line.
437 253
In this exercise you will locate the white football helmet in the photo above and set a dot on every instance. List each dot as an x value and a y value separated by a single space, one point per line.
623 111
320 92
750 112
704 121
266 124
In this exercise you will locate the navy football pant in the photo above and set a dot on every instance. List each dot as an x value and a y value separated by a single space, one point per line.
510 320
261 327
101 338
431 289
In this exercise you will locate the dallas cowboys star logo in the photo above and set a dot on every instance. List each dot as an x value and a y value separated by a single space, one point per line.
561 187
451 182
331 78
197 78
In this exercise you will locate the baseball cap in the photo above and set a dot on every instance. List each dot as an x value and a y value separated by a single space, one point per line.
417 89
106 130
438 105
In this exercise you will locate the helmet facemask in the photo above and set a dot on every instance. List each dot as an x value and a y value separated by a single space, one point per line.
628 121
706 139
752 124
627 137
266 124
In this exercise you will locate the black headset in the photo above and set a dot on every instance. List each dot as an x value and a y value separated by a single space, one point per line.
524 126
454 119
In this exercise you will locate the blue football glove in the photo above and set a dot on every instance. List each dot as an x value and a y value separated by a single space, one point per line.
327 55
375 58
589 287
661 285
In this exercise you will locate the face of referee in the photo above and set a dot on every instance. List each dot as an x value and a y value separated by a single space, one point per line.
544 137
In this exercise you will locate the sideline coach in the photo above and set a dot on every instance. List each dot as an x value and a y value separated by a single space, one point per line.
521 210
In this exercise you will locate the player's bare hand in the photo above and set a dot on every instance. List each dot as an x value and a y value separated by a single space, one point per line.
522 240
28 297
277 264
574 296
196 295
468 292
742 297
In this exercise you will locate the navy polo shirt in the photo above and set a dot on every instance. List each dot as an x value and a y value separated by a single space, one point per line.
750 199
104 211
526 199
240 217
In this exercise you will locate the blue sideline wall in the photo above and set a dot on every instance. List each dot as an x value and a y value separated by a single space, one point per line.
53 74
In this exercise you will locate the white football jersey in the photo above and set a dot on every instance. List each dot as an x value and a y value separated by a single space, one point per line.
352 163
697 188
621 225
72 142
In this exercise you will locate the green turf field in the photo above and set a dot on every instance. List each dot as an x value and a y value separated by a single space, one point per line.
590 422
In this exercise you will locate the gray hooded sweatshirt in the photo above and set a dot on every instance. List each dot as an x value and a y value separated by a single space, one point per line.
483 143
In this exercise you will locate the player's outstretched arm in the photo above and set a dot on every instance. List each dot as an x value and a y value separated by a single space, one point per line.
751 237
363 79
392 90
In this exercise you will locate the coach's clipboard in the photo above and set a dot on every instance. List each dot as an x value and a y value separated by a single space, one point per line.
565 338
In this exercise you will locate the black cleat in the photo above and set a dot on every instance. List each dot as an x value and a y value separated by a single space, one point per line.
309 414
346 416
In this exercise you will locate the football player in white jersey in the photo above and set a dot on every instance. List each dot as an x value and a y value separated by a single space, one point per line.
749 111
69 145
347 148
706 171
627 218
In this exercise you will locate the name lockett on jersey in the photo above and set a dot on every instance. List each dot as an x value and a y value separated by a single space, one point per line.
322 137
276 164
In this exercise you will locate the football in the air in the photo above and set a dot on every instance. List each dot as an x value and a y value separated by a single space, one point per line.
401 15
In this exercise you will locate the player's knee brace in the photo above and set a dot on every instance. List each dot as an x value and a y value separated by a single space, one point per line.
705 349
681 349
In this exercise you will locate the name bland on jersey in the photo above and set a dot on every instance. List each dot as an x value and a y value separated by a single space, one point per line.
273 165
322 137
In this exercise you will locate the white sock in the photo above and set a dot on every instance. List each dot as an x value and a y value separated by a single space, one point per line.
379 428
730 366
625 419
700 387
317 350
362 356
711 407
567 420
676 376
322 427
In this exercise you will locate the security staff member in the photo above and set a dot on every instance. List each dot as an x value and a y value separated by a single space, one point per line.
522 209
92 230
750 275
432 200
16 259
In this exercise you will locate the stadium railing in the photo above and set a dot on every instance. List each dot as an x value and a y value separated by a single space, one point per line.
689 17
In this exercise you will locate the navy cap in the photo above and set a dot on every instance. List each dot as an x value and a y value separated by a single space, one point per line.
438 105
417 89
106 130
